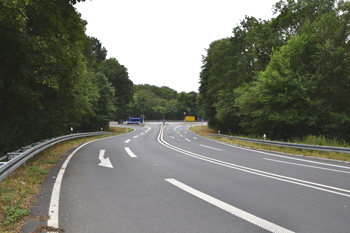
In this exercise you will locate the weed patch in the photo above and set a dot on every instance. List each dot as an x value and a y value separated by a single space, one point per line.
14 213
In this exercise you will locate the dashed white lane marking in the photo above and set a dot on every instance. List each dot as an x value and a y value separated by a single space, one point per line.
187 139
136 136
181 136
231 209
195 138
127 149
127 141
211 147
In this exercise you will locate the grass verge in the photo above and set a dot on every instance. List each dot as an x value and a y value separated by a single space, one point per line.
19 189
205 131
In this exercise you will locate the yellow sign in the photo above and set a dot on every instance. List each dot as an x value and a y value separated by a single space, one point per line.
189 118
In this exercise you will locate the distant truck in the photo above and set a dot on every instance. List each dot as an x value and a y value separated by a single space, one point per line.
134 121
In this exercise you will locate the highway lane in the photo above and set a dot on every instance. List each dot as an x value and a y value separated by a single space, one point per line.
170 180
306 195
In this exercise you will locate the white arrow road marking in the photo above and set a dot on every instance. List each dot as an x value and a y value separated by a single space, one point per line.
127 149
104 162
269 226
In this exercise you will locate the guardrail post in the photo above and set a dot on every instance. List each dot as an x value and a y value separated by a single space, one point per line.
12 155
23 149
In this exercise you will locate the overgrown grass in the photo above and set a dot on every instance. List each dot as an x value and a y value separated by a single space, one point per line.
321 141
311 140
18 190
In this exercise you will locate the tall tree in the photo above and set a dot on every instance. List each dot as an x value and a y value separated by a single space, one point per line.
118 76
305 87
41 71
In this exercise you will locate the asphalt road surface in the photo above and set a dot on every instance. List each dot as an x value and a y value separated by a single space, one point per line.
164 178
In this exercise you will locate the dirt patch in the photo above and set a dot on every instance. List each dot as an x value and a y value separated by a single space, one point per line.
40 229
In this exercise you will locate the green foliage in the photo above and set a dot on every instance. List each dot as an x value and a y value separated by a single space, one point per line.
35 170
320 140
287 77
156 103
50 74
118 76
94 52
14 213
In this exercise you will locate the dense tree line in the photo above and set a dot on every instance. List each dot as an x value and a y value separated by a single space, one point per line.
52 76
156 103
286 77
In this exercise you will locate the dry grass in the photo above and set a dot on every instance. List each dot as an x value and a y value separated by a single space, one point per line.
18 190
119 130
205 131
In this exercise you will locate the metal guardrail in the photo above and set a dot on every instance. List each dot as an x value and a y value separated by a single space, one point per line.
19 157
294 145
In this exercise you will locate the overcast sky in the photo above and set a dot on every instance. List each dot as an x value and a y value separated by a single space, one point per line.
161 42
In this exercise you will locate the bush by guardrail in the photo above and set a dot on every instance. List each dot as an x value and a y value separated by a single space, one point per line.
286 144
19 157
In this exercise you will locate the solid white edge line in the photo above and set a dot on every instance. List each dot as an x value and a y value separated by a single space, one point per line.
127 149
55 196
303 165
231 209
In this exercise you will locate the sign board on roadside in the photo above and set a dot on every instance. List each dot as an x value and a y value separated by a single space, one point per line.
190 118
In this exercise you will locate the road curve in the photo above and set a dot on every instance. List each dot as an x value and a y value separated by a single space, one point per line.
164 178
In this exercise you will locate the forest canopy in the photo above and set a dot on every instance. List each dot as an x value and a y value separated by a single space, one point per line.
157 103
53 77
287 77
